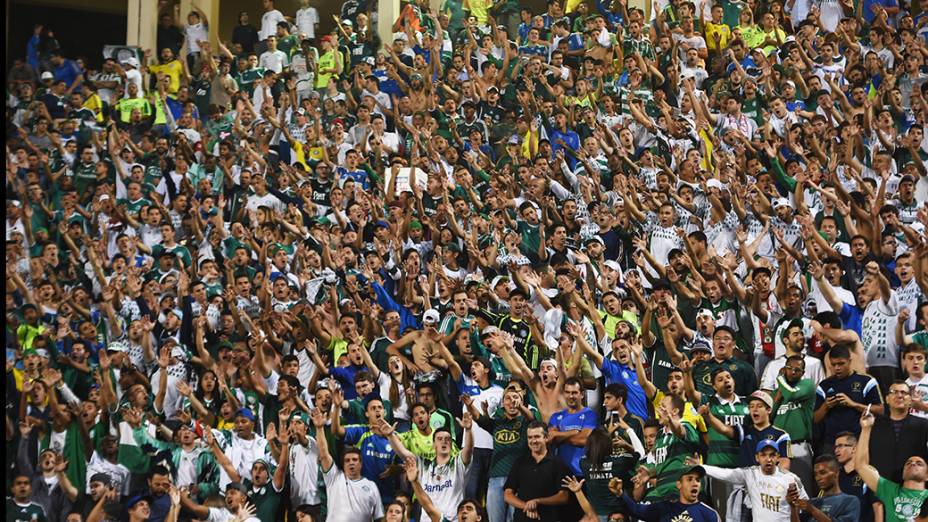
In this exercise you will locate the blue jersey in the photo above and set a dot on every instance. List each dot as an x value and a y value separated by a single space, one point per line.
376 455
565 421
861 389
749 436
345 377
616 372
359 176
670 511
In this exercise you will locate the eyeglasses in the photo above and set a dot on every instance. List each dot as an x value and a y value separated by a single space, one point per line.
900 392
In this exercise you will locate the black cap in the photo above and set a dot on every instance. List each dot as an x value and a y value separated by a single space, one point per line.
237 485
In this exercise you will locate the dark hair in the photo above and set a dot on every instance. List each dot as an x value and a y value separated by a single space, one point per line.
828 459
841 351
350 450
158 470
572 381
617 390
537 424
724 328
829 318
598 448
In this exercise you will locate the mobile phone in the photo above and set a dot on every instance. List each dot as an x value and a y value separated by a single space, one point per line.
613 417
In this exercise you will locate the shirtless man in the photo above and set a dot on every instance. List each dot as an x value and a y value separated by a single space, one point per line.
547 385
426 347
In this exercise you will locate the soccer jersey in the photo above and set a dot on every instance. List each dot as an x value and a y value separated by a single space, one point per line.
444 484
351 500
28 512
766 492
793 412
564 420
723 451
748 436
670 453
861 389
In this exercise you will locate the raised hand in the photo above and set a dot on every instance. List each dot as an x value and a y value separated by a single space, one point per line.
412 469
570 482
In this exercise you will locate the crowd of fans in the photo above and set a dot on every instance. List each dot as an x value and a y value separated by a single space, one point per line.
595 263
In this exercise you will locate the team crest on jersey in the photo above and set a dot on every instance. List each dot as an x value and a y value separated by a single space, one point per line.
682 517
855 386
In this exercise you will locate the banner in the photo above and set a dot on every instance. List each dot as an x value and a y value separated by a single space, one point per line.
402 179
121 52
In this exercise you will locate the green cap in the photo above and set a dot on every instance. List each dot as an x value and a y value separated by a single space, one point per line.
415 224
30 351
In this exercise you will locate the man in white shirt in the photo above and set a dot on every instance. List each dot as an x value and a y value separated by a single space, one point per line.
794 340
307 20
273 59
443 478
767 485
236 499
303 463
350 497
269 21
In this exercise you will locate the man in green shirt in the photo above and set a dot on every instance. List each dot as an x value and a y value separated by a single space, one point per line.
902 502
792 405
20 507
676 440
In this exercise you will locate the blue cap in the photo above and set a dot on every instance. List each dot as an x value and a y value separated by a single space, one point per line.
767 443
381 223
138 498
245 412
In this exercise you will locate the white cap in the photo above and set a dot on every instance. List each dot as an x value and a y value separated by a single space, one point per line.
431 316
47 75
613 265
781 202
132 60
715 183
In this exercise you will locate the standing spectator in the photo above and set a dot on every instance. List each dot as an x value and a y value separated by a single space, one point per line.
245 34
898 434
568 429
831 502
269 21
169 34
534 484
843 397
792 409
850 481
901 500
307 21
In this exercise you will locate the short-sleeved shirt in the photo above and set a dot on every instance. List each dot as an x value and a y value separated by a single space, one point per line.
901 504
530 480
670 453
616 372
565 421
351 500
839 508
749 436
861 389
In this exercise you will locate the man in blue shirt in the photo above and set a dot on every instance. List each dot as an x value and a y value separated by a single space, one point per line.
569 428
831 503
563 138
376 452
617 369
67 71
841 398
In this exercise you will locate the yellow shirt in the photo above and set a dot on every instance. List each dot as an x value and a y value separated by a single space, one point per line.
95 104
689 412
480 9
724 33
173 69
571 6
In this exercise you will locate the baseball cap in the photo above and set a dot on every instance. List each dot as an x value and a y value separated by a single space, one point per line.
245 412
136 499
513 140
762 396
489 330
781 202
700 346
767 443
47 76
102 478
131 61
689 470
238 486
431 316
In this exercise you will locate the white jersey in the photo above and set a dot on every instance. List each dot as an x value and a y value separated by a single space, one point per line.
444 485
306 21
814 371
878 332
304 472
351 500
767 492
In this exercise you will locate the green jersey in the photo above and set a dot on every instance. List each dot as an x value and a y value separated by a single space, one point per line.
902 504
596 487
531 237
28 512
509 441
793 410
266 500
723 451
670 453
